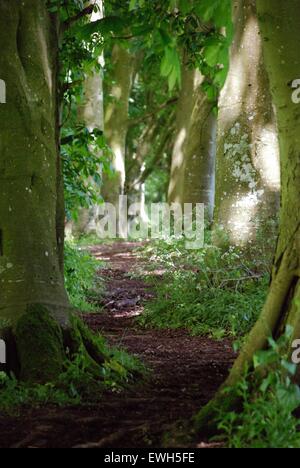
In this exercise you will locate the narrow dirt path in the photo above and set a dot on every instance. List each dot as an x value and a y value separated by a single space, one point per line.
185 373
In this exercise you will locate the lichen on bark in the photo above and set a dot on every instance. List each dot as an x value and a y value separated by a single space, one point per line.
279 30
247 164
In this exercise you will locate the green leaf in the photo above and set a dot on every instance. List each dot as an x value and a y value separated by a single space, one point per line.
164 37
166 67
289 366
206 9
105 26
171 67
211 55
184 6
172 79
132 5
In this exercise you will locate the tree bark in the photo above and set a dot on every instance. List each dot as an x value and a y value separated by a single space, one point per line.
91 114
281 42
247 169
116 122
200 150
192 168
35 318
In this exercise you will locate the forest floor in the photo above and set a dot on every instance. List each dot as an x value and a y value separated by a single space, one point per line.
185 372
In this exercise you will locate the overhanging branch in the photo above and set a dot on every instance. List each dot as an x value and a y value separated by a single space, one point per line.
133 122
86 11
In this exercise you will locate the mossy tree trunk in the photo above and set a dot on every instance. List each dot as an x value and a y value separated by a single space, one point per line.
192 168
280 34
34 307
247 169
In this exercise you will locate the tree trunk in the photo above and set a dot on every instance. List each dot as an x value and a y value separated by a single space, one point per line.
200 150
280 32
135 185
184 110
247 169
192 169
34 308
116 122
91 114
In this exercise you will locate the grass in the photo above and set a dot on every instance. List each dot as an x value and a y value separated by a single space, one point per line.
76 385
209 292
268 403
81 279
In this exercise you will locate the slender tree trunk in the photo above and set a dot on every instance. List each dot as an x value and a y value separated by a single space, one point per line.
280 33
184 110
192 169
34 308
116 122
247 169
135 185
200 150
91 114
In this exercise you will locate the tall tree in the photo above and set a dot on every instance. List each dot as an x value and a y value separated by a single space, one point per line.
200 150
91 114
247 169
34 309
279 30
116 121
192 169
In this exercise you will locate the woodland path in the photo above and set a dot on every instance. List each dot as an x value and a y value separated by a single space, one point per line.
186 371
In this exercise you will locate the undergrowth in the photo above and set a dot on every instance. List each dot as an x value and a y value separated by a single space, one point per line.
77 384
81 280
268 402
209 292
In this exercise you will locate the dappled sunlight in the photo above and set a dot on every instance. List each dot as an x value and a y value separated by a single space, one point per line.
119 162
149 226
177 166
267 160
241 219
130 314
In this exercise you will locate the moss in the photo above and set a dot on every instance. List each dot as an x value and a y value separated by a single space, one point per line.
79 339
43 347
40 346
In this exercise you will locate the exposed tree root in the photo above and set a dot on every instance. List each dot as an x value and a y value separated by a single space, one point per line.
38 347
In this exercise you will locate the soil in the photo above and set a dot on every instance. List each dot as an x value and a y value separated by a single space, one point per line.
185 373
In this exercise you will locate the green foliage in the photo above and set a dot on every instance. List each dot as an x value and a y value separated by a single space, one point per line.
209 292
85 156
110 25
266 420
216 45
180 27
171 66
165 35
80 277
